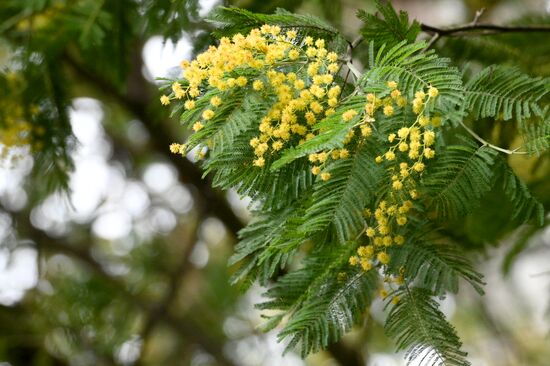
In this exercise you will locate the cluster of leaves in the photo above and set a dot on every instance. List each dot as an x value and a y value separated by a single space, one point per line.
298 214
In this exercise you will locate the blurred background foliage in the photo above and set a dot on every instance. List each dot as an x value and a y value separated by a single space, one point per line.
113 251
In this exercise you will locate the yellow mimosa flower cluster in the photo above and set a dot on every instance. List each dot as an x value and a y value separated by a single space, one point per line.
410 147
363 120
269 57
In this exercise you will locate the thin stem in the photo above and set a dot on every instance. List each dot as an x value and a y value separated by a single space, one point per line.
356 42
432 41
478 15
353 70
488 144
473 29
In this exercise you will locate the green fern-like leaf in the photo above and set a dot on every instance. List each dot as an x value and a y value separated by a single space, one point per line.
435 266
324 303
339 202
415 70
504 93
526 207
417 325
536 134
458 179
391 28
265 245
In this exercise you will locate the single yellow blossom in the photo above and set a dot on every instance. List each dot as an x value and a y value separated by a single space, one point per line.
197 126
433 92
383 257
216 101
208 114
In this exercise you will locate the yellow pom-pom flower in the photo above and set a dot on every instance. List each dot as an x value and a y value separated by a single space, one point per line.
397 185
257 85
348 115
174 148
216 101
208 114
259 162
197 126
383 258
189 104
325 176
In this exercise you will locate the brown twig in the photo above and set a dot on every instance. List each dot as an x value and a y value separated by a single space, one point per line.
474 29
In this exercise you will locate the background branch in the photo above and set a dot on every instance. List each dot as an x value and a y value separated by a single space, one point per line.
158 311
482 29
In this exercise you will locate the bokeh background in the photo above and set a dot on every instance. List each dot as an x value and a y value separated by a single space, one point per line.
123 260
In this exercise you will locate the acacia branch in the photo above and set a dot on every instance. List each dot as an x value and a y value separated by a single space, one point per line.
472 29
482 29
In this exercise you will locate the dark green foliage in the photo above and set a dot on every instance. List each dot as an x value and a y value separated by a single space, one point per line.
536 134
415 70
171 17
417 325
266 245
434 265
458 179
511 49
389 30
338 203
526 208
504 93
323 304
